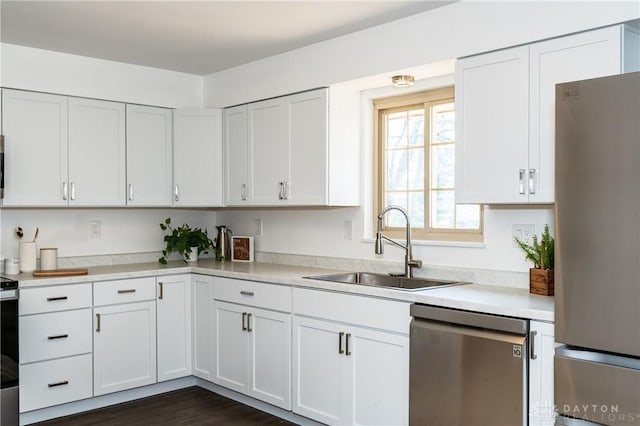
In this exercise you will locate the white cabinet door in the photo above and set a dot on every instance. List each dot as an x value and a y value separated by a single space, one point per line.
124 347
318 391
268 151
541 402
203 333
149 156
379 377
307 130
270 334
577 57
96 153
236 161
492 127
232 347
197 153
174 327
36 161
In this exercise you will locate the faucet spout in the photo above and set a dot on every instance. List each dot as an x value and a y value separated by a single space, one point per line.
409 261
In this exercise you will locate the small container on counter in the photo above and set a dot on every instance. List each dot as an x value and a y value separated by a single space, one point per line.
48 259
27 256
12 266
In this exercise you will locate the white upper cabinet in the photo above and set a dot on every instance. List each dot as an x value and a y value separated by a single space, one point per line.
505 112
197 158
492 104
36 161
149 156
283 151
236 152
96 153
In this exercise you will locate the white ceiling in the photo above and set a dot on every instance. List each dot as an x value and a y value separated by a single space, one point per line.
197 37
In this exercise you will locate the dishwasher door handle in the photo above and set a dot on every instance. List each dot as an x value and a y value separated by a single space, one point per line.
463 330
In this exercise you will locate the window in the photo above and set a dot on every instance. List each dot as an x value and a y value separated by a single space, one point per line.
414 154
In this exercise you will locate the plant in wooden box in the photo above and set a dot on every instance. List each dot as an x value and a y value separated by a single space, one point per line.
541 253
185 241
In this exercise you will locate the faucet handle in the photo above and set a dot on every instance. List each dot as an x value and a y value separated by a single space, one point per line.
415 263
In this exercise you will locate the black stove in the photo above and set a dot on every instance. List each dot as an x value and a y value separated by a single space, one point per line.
8 283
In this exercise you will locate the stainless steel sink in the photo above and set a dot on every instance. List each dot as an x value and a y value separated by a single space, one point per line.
384 280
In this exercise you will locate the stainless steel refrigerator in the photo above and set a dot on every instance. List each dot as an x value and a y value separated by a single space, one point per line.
597 371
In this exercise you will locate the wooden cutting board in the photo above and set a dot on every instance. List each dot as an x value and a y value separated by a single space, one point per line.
61 272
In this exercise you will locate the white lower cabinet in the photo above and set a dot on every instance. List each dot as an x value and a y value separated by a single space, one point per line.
174 326
344 371
541 402
203 326
124 346
253 352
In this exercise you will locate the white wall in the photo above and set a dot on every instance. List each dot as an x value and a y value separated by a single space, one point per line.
436 36
450 32
47 71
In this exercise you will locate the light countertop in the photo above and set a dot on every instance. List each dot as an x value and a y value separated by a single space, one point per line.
490 299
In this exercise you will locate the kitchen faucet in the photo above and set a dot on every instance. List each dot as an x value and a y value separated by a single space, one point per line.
409 262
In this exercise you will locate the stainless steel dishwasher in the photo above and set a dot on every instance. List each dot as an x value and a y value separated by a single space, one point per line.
466 368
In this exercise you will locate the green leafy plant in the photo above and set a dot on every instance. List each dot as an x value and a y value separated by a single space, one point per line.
540 251
182 239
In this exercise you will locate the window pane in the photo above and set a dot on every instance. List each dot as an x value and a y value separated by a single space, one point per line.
416 127
397 130
468 216
416 209
443 123
443 163
397 170
442 209
394 218
416 169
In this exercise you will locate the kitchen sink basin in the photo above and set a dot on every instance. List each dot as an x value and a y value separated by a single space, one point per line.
385 280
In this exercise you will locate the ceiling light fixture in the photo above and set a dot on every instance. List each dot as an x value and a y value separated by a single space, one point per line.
402 80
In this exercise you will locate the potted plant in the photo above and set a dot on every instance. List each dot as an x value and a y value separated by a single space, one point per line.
185 241
541 253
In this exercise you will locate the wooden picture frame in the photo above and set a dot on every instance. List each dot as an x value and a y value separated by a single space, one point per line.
241 249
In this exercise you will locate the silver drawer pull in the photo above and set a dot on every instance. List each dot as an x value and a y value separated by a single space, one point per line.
97 323
130 290
53 299
246 293
532 344
59 336
53 385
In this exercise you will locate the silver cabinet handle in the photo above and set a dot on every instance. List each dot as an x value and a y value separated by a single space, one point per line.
176 193
281 191
73 191
340 336
243 192
53 385
130 192
53 299
97 323
521 178
346 344
59 336
246 293
129 290
244 319
532 186
65 191
161 291
532 345
249 329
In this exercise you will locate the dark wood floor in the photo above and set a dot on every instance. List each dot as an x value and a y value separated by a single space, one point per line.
190 406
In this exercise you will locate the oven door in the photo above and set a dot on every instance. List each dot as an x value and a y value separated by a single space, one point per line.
9 361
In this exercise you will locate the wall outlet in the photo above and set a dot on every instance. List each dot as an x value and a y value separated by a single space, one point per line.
258 230
348 230
95 229
524 233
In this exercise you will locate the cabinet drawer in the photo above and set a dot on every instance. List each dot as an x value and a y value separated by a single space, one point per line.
124 291
55 298
270 296
55 335
48 383
370 312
